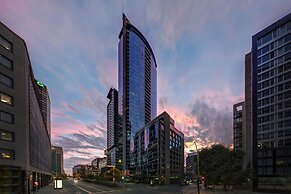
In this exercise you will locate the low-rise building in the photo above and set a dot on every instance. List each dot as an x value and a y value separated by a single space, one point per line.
191 166
57 160
158 153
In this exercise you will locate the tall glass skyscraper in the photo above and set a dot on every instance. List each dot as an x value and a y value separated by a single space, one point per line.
137 85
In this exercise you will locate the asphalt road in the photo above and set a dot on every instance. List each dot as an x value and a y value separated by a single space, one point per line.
80 187
69 187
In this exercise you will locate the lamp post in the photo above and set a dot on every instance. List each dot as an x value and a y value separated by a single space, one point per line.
198 173
113 174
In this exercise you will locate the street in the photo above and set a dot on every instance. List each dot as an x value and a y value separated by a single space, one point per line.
69 187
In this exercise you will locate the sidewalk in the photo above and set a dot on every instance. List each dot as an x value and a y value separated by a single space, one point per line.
49 189
232 191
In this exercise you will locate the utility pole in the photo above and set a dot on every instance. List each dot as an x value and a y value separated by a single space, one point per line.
198 172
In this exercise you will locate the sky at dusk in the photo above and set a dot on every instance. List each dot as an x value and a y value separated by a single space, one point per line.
199 47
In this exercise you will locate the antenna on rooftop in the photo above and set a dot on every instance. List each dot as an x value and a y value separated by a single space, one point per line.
122 6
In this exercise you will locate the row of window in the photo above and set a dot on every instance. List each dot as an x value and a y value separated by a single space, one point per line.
265 119
266 84
270 144
271 126
266 127
269 162
6 99
280 69
264 93
274 34
266 75
271 117
282 96
271 64
284 114
272 134
272 72
275 44
237 114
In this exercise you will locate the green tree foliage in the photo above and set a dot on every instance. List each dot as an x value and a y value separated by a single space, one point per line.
219 164
113 174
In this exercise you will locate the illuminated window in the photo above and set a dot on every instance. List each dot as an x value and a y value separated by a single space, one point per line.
6 154
6 117
7 136
6 99
5 43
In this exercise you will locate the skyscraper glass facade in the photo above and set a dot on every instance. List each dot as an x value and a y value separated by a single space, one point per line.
137 84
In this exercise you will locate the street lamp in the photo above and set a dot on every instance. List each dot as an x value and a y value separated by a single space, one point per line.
198 172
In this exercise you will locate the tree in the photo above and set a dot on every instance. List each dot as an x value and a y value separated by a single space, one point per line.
219 164
113 174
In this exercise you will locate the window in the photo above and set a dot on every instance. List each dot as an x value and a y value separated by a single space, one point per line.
287 75
280 69
267 38
6 135
280 115
6 99
288 26
287 66
280 133
6 154
265 58
5 43
280 143
6 80
280 41
6 117
280 87
287 47
6 62
287 56
259 42
287 37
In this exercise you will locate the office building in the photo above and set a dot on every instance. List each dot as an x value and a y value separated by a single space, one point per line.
25 145
95 162
57 161
137 85
158 153
271 107
95 166
114 131
45 104
103 163
238 125
248 127
191 166
81 170
241 134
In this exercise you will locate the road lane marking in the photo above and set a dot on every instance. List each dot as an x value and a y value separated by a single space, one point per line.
82 188
99 187
110 191
96 187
